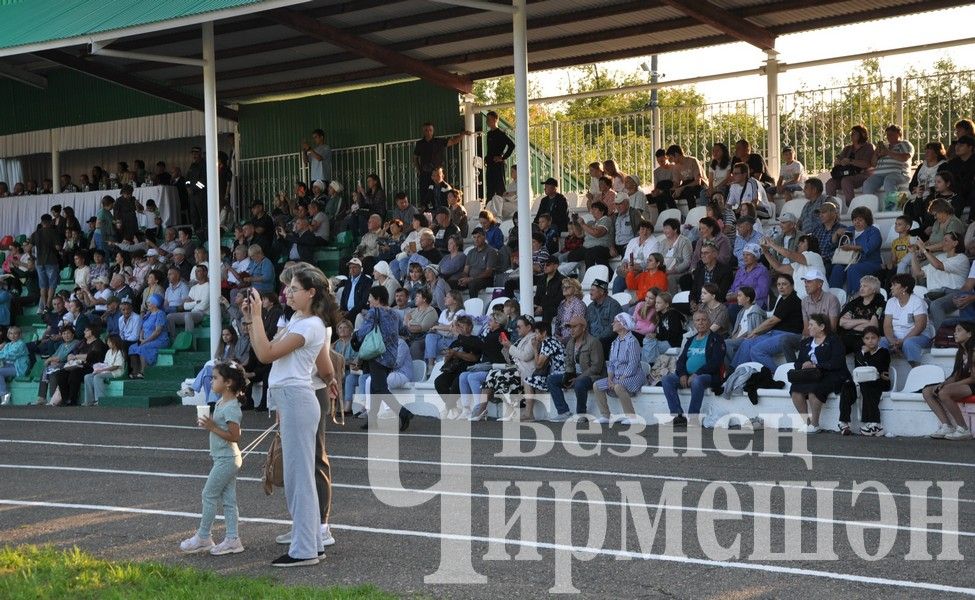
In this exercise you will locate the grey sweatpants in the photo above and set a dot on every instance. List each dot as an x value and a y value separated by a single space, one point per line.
299 413
221 486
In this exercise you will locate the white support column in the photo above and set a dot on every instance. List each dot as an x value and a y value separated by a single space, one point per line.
56 160
899 104
469 151
556 152
523 152
210 150
773 157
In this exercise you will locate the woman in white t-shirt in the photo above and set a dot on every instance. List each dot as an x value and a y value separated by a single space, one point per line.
945 270
796 262
906 326
292 356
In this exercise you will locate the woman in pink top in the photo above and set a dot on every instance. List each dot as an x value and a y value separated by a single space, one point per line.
645 312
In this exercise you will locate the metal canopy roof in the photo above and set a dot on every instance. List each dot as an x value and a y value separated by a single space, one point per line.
324 44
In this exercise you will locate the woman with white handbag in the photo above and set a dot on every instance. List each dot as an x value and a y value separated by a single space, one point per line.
858 253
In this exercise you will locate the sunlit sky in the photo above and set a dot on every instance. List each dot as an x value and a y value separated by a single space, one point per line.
923 28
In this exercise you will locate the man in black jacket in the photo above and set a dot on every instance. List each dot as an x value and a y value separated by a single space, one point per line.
548 290
499 149
554 204
709 270
355 290
300 244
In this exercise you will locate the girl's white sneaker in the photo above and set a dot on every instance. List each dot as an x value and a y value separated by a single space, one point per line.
228 546
942 431
195 545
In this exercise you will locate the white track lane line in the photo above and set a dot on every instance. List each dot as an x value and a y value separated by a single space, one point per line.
624 554
616 474
553 500
587 442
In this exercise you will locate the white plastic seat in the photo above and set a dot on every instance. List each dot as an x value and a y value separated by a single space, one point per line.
593 273
920 291
838 201
494 303
623 298
840 294
868 200
682 297
474 307
794 207
670 213
919 377
695 215
572 199
891 235
419 370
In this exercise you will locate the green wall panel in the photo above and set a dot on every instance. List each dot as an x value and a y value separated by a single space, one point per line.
72 98
367 116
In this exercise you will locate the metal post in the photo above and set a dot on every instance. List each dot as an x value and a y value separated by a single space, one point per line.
523 151
557 152
772 104
655 126
899 104
468 151
56 160
210 150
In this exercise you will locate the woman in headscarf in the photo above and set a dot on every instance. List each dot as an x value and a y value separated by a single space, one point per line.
638 200
153 337
383 276
624 373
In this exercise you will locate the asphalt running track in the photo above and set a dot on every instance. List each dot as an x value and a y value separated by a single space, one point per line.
125 484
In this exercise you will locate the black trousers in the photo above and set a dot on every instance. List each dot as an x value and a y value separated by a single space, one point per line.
871 391
448 386
494 175
378 385
69 381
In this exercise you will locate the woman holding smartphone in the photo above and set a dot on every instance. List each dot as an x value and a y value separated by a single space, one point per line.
292 357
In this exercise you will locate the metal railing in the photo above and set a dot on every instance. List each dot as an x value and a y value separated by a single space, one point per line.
816 123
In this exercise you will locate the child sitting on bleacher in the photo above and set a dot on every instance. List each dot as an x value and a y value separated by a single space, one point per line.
870 355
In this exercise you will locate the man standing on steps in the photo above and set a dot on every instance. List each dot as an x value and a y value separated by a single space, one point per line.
196 179
499 149
428 154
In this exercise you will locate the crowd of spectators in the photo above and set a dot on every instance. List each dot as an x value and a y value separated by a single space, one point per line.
758 288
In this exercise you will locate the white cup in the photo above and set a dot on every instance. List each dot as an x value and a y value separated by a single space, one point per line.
202 412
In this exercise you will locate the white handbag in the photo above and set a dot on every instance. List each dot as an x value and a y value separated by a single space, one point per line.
864 374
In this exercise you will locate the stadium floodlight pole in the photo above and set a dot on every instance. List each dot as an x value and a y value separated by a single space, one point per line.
523 152
210 151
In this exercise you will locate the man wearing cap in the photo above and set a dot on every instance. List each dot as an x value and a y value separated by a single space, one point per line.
443 228
499 149
195 305
962 166
548 289
180 263
746 235
625 224
482 262
751 273
788 238
354 291
809 217
110 316
601 312
584 364
554 204
819 300
318 156
829 223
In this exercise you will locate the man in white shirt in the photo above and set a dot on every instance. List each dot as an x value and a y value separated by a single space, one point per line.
746 189
962 300
195 306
